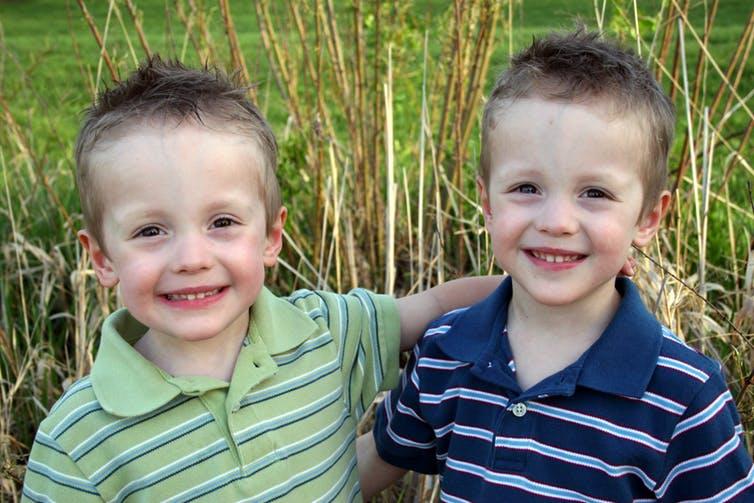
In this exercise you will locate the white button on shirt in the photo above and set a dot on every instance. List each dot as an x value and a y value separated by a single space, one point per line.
518 409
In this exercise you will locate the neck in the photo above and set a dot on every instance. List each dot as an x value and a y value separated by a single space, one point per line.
213 357
583 320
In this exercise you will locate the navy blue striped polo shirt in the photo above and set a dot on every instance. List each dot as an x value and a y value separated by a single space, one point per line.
639 417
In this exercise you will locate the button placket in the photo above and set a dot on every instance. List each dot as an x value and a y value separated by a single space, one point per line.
514 423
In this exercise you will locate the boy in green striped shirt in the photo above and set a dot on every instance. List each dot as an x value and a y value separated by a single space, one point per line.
206 386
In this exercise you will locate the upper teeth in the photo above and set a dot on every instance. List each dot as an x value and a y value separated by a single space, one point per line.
555 258
192 296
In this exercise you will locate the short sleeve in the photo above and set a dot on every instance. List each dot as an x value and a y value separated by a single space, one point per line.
366 329
51 475
707 458
402 437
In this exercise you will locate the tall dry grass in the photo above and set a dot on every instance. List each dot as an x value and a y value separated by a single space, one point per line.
379 143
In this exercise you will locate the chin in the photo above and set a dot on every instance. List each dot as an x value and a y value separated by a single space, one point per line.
196 335
555 298
557 301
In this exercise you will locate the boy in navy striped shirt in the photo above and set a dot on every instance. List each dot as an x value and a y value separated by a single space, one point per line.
561 385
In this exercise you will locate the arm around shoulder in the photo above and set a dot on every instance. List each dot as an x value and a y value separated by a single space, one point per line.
416 311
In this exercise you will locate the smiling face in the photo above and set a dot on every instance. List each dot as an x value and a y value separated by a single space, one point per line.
184 228
564 198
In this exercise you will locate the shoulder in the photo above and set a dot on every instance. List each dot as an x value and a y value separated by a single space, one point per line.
77 399
328 307
432 341
683 371
311 302
446 321
676 354
463 334
70 418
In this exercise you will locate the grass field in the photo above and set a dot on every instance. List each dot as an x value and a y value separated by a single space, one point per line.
396 216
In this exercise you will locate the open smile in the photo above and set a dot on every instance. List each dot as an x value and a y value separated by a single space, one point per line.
556 258
194 297
553 259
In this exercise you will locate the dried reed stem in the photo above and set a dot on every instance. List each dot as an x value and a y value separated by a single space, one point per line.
391 185
136 18
236 58
126 36
690 128
103 50
423 133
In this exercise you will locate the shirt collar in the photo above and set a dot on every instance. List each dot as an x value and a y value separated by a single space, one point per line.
280 324
620 362
127 384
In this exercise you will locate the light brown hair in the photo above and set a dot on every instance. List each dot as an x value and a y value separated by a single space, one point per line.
169 91
580 66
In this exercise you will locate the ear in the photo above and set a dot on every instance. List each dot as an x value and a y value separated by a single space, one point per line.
275 239
650 222
106 273
484 199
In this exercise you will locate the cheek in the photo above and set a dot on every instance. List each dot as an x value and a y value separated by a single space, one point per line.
248 280
245 260
506 231
506 225
138 276
612 238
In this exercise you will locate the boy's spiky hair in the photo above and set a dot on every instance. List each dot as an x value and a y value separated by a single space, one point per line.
581 66
168 91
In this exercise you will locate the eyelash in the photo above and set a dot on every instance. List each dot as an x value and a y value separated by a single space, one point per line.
528 188
151 231
523 186
601 194
229 221
146 232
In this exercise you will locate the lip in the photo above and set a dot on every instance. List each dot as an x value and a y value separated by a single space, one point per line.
554 259
198 297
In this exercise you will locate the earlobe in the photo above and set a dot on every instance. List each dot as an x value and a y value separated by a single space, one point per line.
103 268
650 223
274 241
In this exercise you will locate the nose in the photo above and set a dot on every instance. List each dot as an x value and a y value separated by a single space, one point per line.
192 253
557 216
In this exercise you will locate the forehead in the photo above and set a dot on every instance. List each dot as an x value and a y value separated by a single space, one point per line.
590 134
536 108
159 144
534 118
187 159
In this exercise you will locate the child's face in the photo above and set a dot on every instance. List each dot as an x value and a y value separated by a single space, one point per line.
184 228
564 198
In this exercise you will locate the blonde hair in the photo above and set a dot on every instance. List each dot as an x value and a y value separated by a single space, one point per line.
582 66
168 91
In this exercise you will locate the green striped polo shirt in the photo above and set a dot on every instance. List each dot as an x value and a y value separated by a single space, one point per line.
284 428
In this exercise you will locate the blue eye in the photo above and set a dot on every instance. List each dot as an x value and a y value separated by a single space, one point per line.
148 232
526 188
594 193
222 222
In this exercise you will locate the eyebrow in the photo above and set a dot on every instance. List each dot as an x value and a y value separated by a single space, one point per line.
140 209
234 202
602 175
515 170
